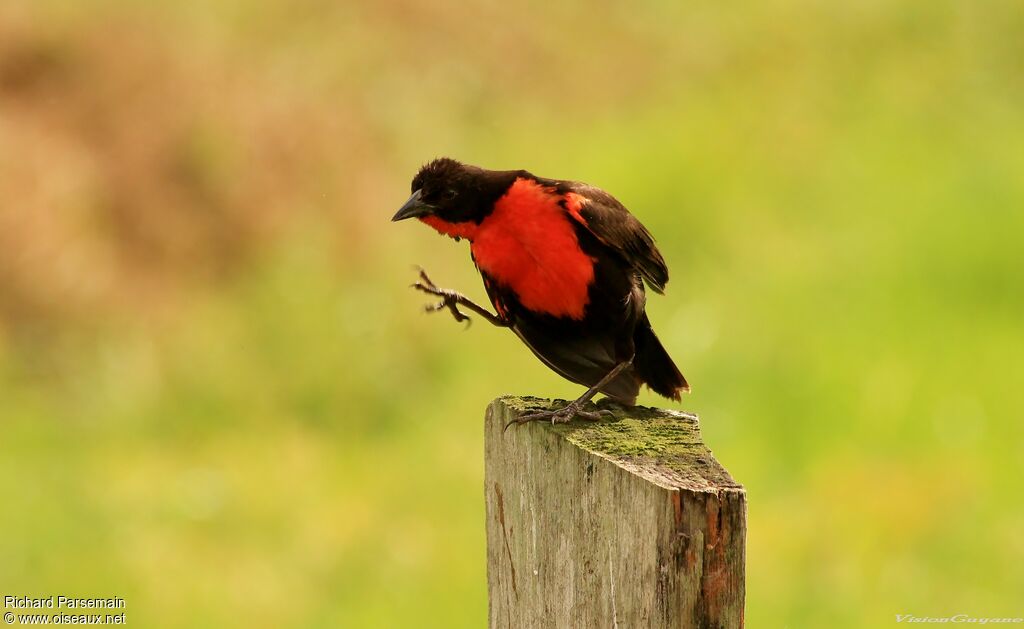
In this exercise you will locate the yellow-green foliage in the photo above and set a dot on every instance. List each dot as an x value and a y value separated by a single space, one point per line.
219 400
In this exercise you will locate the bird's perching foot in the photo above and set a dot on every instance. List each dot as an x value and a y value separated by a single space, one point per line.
562 415
449 298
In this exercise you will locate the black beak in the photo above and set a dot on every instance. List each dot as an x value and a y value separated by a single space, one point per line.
413 208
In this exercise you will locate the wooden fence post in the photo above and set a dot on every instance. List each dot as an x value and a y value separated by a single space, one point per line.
628 522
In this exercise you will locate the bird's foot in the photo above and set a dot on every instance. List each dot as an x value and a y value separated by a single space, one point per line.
562 415
449 298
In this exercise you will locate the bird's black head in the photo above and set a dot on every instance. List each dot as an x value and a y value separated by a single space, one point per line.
454 192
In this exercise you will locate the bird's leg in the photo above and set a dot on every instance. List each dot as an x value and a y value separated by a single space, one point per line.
452 300
575 408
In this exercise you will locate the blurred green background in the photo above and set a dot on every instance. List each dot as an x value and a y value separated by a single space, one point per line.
219 400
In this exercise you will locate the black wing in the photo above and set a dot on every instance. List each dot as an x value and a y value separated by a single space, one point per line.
611 223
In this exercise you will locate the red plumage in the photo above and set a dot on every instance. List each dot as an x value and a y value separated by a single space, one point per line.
528 245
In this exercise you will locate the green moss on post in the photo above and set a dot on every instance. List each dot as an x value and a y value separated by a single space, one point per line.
624 522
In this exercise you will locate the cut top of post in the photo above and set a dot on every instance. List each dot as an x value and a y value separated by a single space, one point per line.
662 446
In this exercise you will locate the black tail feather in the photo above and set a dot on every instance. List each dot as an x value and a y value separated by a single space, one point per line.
653 364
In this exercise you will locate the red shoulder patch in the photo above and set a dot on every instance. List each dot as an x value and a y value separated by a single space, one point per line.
573 203
528 243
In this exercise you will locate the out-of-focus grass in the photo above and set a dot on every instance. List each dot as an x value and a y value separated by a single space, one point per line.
220 402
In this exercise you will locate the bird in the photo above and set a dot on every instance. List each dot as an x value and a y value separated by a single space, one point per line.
564 265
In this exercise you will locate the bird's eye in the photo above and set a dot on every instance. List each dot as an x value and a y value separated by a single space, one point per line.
450 194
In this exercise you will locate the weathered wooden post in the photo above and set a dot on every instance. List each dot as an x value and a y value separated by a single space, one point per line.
628 522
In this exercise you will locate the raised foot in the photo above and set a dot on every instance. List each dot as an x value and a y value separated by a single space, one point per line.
449 298
563 415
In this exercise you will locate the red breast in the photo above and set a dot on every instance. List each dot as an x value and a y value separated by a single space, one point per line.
528 243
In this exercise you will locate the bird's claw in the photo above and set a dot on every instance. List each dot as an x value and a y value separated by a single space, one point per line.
450 305
449 298
561 416
423 276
